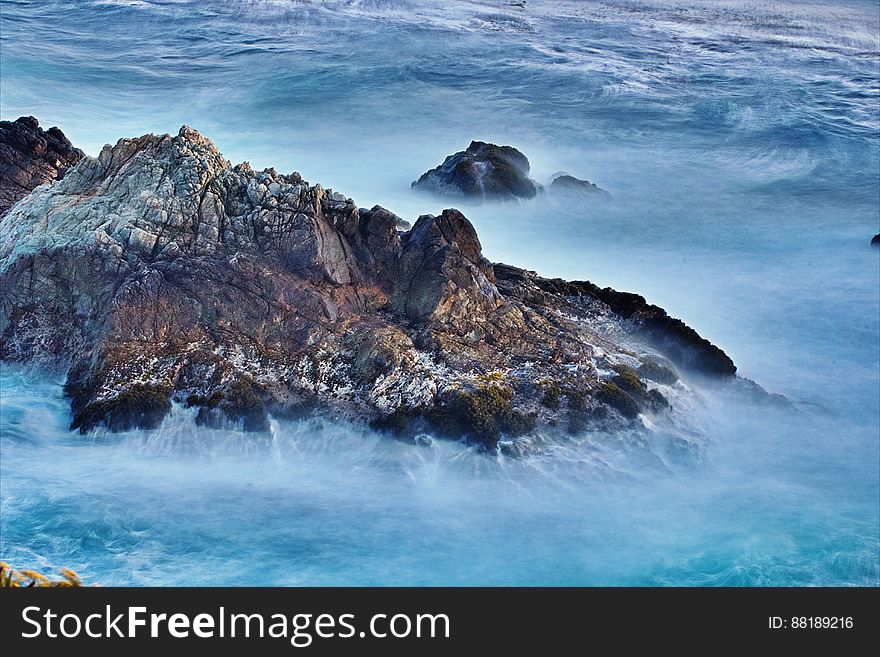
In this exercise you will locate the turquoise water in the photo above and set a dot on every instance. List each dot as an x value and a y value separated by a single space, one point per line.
741 146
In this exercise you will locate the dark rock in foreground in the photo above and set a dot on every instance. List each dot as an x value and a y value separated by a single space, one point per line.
160 273
31 156
483 171
875 241
571 186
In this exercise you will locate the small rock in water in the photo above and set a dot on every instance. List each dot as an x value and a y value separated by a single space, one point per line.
481 171
571 186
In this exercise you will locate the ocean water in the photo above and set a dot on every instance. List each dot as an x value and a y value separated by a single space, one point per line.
740 142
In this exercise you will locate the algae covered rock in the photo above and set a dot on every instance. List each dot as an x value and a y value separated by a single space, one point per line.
483 414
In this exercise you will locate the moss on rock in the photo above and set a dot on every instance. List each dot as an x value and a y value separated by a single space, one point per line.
211 401
583 412
138 407
241 402
552 396
655 371
578 400
611 394
482 414
628 380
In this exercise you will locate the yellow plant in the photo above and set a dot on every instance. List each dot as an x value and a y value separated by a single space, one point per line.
12 578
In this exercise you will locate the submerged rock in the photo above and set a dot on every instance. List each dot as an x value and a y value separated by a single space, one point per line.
31 156
571 186
875 241
158 273
483 171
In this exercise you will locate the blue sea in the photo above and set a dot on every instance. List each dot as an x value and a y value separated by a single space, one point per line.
740 144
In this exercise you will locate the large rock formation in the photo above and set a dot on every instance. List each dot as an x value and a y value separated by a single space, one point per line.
31 156
482 171
160 273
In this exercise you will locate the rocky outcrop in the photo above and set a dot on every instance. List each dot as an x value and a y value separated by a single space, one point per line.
486 171
442 275
570 186
482 171
158 273
670 336
875 241
31 156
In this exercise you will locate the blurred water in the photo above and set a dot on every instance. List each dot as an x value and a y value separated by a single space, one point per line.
741 144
